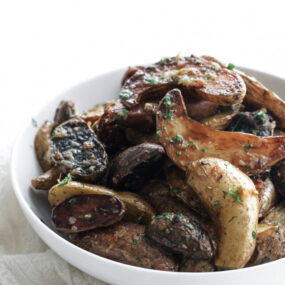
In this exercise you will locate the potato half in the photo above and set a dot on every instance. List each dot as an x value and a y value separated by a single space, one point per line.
231 200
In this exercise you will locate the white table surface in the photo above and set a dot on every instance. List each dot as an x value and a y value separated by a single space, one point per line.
49 46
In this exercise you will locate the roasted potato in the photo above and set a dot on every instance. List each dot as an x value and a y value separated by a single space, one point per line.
185 140
64 112
137 209
136 137
132 167
181 235
46 180
192 265
94 114
125 242
76 150
43 145
231 200
211 82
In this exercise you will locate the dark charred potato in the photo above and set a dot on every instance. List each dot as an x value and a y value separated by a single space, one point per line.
47 180
181 235
266 194
64 112
258 123
185 140
278 177
86 212
130 72
132 167
126 243
136 137
43 145
76 150
210 81
197 266
180 189
270 241
137 209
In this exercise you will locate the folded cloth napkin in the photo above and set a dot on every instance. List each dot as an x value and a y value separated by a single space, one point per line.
24 258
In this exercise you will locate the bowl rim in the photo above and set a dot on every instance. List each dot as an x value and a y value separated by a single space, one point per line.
50 235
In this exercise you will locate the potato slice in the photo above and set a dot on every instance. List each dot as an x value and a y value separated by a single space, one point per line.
137 209
210 81
46 180
231 200
185 140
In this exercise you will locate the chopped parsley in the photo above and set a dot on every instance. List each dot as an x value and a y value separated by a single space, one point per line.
260 115
159 217
190 227
247 147
158 134
167 102
203 150
34 122
218 205
169 115
175 190
254 234
72 201
87 216
178 152
125 112
225 194
177 138
235 195
231 66
125 94
134 242
64 181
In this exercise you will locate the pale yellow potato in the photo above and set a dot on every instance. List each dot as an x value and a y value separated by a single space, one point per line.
136 208
185 140
232 202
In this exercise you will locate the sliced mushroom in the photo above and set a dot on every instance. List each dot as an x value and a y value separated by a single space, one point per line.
181 235
211 82
137 209
231 200
64 112
46 180
185 140
180 189
132 167
43 145
76 150
278 177
86 212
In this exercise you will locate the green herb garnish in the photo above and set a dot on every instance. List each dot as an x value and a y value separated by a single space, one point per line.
190 227
175 190
178 152
134 242
177 138
64 181
34 122
158 134
231 66
125 94
235 195
254 234
87 216
247 147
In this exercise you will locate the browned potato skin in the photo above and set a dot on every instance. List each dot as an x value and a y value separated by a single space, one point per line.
130 72
226 88
180 189
270 244
267 195
43 145
249 153
259 96
197 266
126 243
94 114
235 220
136 137
46 180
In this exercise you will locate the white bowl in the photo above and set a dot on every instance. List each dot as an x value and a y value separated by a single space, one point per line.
24 167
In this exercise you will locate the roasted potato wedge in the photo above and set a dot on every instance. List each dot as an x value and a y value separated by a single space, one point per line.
137 209
85 212
64 112
43 145
270 241
211 82
185 140
46 180
231 200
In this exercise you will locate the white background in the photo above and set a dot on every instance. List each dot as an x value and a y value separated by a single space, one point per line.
49 46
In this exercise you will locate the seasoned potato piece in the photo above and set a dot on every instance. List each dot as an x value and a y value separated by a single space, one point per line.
231 200
270 241
200 109
192 265
85 212
137 209
76 150
47 180
185 140
211 82
132 167
267 195
180 234
64 112
180 189
126 243
43 145
94 114
130 72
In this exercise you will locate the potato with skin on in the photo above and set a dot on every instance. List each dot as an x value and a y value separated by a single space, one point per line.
232 202
43 145
46 180
185 140
137 209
